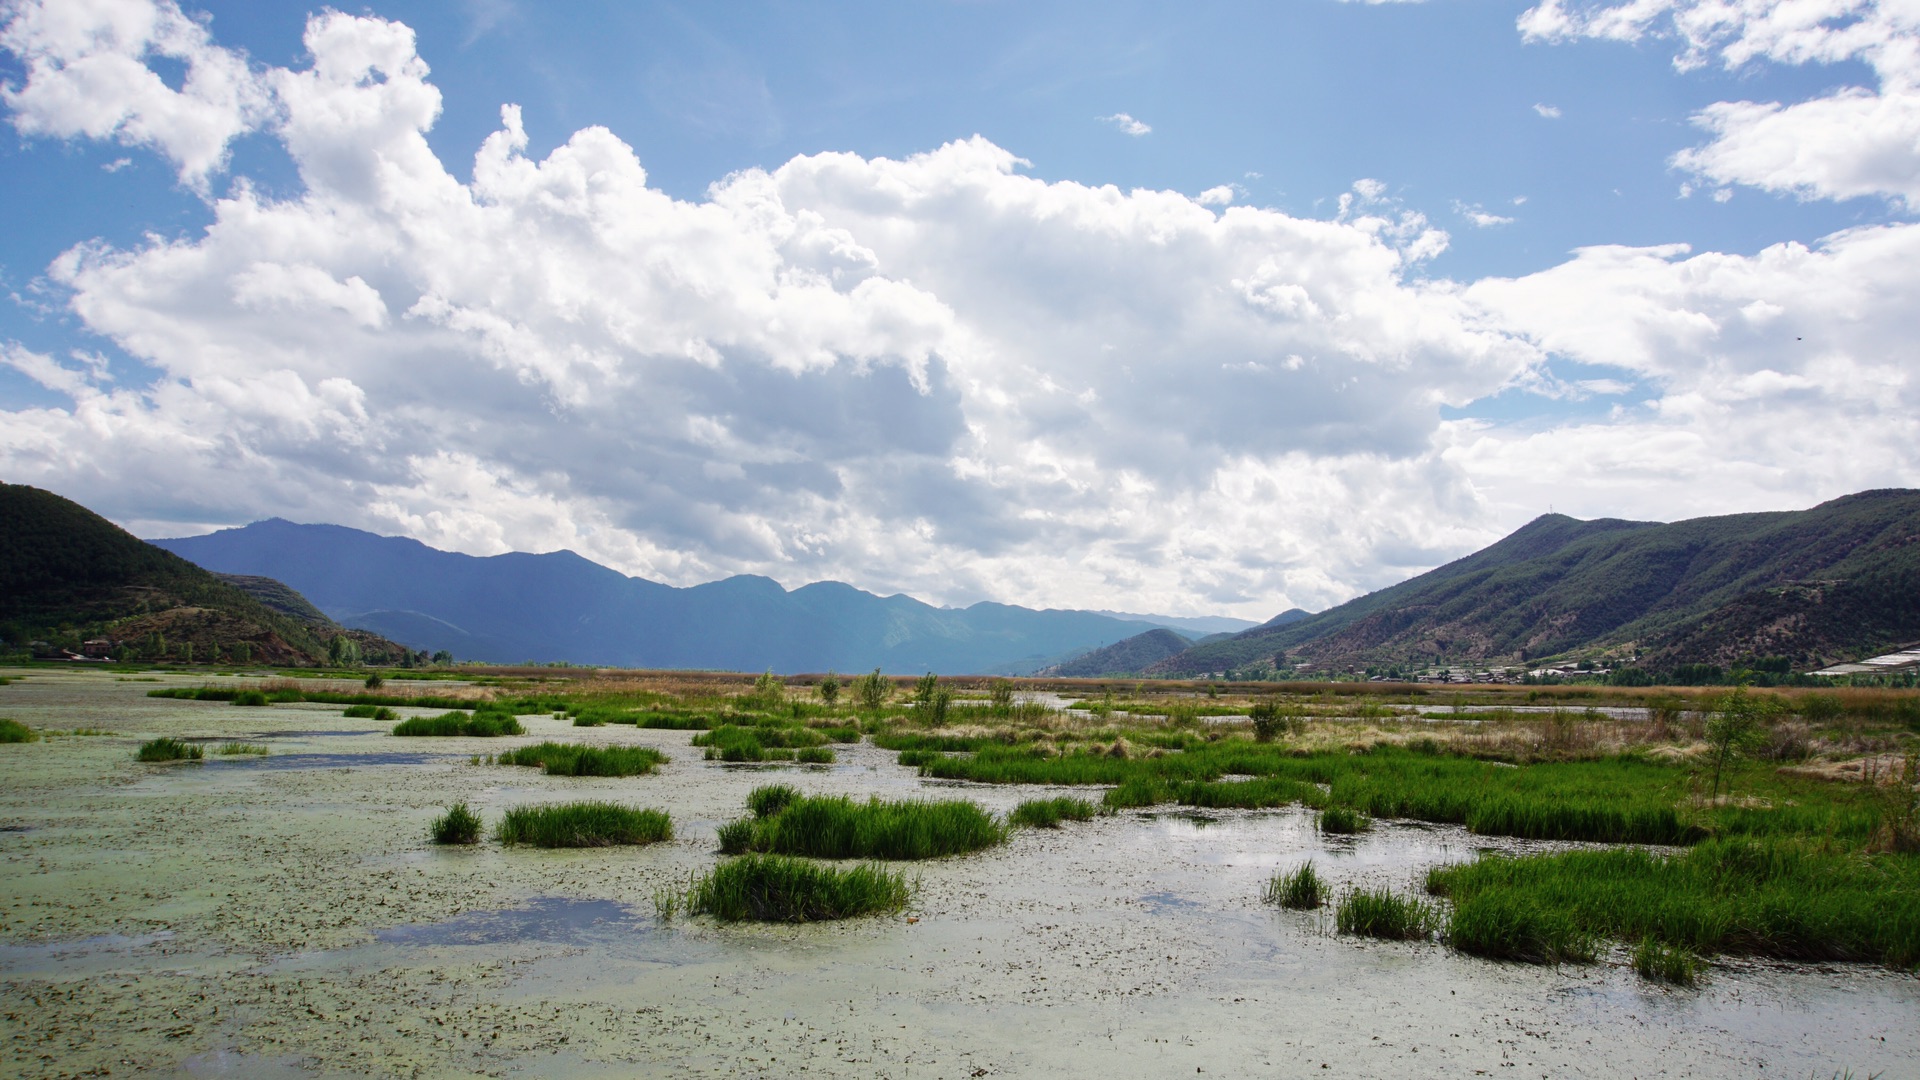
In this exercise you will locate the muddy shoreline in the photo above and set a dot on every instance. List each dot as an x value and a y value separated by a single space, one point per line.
285 917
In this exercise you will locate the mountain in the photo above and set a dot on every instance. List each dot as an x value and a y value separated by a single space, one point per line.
1129 657
68 575
1190 625
559 606
1813 586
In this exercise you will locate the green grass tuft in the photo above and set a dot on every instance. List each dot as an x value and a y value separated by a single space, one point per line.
458 825
251 698
774 742
169 750
773 888
12 731
370 712
837 827
1136 792
769 799
815 755
583 824
1381 913
481 724
235 749
1343 820
574 759
1049 813
1301 889
1666 963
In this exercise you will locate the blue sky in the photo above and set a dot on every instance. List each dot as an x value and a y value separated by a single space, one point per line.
1526 376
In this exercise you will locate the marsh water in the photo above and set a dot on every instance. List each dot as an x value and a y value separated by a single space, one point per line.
285 916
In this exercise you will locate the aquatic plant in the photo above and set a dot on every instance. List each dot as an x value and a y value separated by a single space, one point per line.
169 750
837 827
1300 888
250 698
482 723
583 824
236 749
458 825
1136 792
732 742
1049 813
815 755
1666 963
774 888
1342 820
1382 913
13 731
574 759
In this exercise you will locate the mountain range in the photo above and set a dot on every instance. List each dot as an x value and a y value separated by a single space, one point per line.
559 606
1810 586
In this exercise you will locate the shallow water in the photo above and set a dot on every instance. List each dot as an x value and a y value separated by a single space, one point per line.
235 920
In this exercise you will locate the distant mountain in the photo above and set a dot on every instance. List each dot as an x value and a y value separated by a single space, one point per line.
68 575
559 606
1129 657
1838 580
1190 625
1286 618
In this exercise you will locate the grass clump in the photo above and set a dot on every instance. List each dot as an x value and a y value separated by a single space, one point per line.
837 827
1049 813
458 825
13 731
1666 963
1780 898
731 742
1382 913
769 799
481 723
1301 889
815 755
370 712
774 888
169 750
255 699
583 824
1135 793
1343 820
237 749
574 759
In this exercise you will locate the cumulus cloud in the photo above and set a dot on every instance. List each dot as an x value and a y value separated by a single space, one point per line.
1127 125
1853 141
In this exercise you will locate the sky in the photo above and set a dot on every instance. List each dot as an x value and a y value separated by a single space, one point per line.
1214 308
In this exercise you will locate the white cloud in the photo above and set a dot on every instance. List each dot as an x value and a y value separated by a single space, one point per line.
1550 112
1127 124
1849 142
1479 216
1220 196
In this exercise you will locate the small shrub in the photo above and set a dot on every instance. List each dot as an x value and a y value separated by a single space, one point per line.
375 682
169 750
1272 720
1049 813
235 749
458 825
770 799
1381 913
251 699
583 824
1301 890
1343 820
815 755
1666 963
14 731
480 724
773 888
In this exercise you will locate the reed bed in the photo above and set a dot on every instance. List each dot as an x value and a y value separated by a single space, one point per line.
574 759
169 750
1049 813
1783 898
478 724
776 888
837 827
583 824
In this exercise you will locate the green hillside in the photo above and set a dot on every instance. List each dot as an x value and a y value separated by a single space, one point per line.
68 575
1813 586
1128 657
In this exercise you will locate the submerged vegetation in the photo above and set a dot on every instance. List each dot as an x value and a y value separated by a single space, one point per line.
583 824
573 759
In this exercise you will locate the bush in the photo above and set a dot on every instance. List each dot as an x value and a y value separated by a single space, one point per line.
1301 890
573 759
15 731
583 824
1049 813
774 888
1343 820
1380 913
458 825
251 698
480 724
169 750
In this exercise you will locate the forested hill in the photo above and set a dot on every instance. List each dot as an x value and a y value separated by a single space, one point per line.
1813 586
1128 657
67 574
